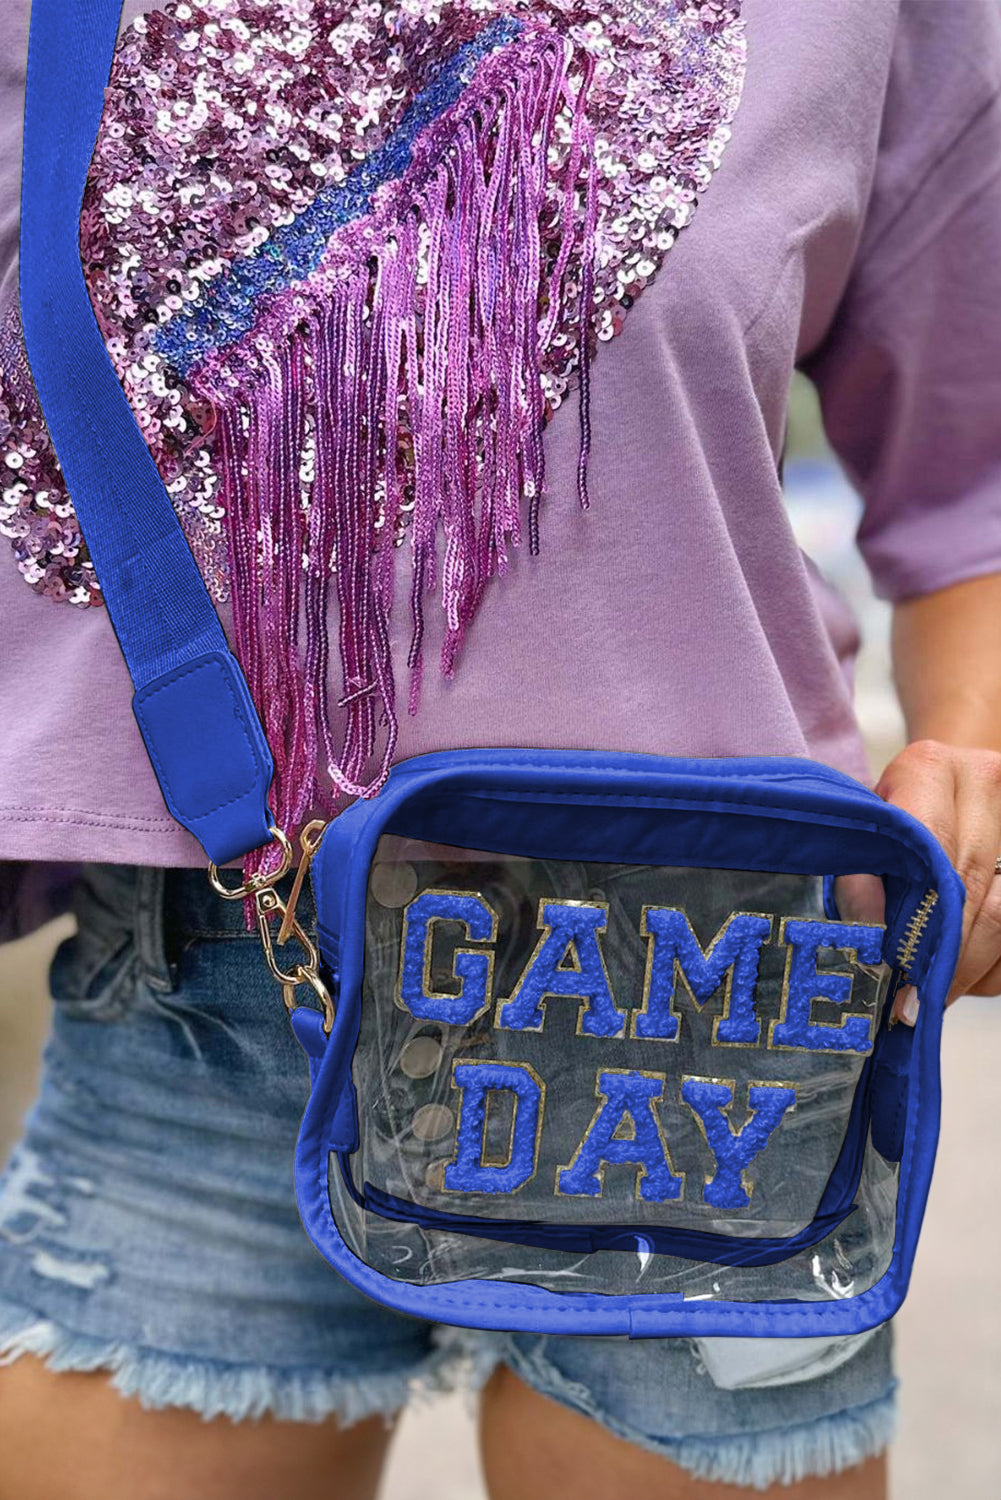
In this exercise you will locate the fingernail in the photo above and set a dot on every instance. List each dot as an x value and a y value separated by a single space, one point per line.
907 1005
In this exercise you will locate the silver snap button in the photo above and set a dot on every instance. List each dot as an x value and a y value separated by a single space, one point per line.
392 884
420 1057
432 1122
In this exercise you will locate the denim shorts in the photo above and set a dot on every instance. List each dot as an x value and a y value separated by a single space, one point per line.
148 1225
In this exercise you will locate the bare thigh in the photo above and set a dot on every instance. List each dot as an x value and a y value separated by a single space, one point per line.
534 1448
73 1437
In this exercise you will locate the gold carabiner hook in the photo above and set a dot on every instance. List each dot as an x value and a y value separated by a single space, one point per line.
268 904
309 842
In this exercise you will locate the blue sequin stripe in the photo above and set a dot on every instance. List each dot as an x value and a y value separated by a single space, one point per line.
294 250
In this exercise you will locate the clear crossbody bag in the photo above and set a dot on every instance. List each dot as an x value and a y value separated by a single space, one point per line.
604 1058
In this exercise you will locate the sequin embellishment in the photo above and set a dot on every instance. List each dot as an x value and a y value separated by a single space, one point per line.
348 260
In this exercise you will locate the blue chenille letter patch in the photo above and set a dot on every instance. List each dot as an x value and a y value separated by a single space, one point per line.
569 930
628 1104
803 984
469 1171
710 1099
450 980
473 969
675 952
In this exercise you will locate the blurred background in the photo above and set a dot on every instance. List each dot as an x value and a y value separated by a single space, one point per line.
949 1332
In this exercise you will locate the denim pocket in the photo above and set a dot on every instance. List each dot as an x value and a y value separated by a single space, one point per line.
95 974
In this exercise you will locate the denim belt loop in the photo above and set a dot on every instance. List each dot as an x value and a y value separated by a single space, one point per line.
151 949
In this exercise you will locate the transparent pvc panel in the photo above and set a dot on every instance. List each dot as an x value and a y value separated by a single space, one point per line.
556 1043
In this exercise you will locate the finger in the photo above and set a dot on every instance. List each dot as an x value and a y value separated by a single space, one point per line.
981 953
860 898
970 834
990 984
979 822
977 845
922 781
905 1005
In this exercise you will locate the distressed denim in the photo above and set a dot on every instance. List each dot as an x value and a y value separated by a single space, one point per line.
148 1225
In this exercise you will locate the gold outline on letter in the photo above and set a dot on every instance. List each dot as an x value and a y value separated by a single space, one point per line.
481 1062
583 1001
679 976
850 975
428 944
640 1172
731 1084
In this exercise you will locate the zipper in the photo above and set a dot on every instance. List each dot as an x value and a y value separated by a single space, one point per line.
915 930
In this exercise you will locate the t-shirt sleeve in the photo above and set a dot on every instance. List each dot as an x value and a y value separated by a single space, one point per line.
909 373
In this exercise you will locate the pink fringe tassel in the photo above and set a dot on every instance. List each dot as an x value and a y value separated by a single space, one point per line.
419 372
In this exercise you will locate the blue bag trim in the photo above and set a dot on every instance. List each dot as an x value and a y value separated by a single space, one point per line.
192 703
824 809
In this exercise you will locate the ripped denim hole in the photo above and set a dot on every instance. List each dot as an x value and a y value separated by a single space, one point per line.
34 1212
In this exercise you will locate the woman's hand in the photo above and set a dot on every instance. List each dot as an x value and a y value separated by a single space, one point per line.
946 649
956 792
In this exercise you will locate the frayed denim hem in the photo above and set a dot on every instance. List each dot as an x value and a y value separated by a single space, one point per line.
785 1455
754 1460
213 1388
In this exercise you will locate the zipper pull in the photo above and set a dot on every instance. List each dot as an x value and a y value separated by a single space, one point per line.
309 842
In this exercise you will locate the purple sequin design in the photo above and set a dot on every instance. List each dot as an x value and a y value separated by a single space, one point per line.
319 390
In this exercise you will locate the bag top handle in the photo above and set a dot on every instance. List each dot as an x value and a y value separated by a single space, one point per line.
191 702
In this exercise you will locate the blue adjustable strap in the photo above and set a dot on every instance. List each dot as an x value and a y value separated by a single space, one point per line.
192 703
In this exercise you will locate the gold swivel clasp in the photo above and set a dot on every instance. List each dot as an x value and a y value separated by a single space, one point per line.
269 904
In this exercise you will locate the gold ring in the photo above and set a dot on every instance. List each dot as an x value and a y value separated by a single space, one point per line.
256 882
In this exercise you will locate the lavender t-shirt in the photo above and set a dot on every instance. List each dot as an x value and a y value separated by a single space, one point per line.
852 230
